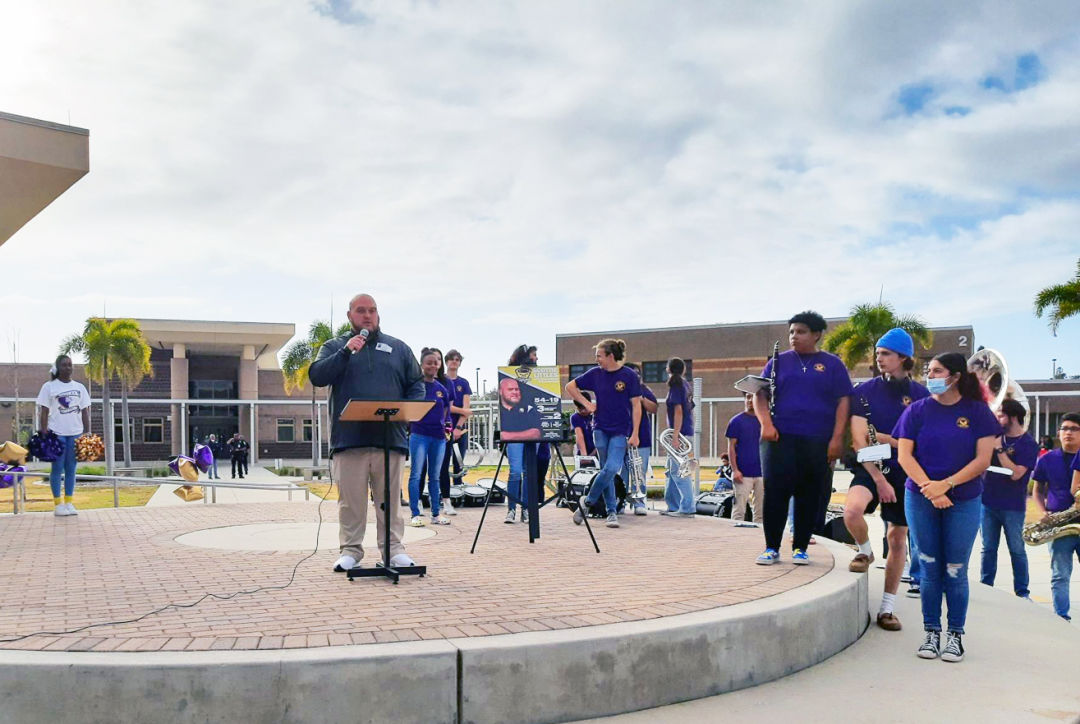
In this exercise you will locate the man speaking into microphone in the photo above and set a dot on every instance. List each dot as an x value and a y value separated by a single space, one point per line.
366 364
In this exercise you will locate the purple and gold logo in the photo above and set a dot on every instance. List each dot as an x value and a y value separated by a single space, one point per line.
963 423
620 386
819 367
906 400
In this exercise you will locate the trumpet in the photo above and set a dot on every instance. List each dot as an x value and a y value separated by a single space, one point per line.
635 468
683 454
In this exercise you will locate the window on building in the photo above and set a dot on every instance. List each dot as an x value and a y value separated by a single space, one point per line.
213 390
118 429
578 370
153 429
308 430
286 429
657 371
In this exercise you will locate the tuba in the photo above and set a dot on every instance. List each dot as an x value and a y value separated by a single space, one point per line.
990 367
680 448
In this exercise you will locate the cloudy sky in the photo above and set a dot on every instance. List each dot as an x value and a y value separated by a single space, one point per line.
498 172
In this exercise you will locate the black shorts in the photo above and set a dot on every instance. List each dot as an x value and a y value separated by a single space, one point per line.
890 512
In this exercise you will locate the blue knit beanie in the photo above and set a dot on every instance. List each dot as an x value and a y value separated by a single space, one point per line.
898 341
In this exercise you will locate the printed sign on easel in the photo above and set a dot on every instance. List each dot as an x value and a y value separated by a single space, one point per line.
529 404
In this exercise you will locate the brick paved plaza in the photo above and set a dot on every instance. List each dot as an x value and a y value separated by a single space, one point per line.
105 565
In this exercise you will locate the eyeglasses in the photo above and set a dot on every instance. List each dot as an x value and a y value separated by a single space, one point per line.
1069 429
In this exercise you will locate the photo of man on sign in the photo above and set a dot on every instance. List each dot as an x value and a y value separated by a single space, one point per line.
519 419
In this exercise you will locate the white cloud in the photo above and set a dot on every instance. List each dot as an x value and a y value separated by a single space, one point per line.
499 172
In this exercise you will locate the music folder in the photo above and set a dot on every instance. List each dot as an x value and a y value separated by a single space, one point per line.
752 384
873 453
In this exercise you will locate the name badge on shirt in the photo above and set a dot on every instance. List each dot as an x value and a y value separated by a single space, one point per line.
383 347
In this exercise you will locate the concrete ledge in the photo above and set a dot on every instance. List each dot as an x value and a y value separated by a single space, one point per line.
399 682
603 670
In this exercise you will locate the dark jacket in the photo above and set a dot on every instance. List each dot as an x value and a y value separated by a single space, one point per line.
385 369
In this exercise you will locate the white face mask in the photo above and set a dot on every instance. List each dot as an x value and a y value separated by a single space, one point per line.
937 385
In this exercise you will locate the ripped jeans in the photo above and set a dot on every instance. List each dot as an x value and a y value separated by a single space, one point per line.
944 538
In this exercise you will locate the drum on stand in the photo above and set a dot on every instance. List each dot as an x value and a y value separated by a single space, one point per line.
457 494
580 483
499 496
474 496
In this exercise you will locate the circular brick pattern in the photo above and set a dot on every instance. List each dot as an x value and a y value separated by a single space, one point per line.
107 565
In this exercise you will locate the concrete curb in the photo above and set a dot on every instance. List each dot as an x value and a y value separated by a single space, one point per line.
546 676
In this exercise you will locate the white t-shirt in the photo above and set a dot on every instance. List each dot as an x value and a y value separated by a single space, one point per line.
66 401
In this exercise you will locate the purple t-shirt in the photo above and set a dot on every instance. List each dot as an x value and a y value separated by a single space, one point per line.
580 422
882 402
433 423
645 430
745 430
808 389
681 396
613 392
1054 470
945 439
1001 491
459 387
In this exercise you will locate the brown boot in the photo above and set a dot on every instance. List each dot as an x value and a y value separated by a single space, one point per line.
888 621
860 563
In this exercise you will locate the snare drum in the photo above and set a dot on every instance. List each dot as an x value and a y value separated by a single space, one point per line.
474 496
579 485
499 494
457 494
714 503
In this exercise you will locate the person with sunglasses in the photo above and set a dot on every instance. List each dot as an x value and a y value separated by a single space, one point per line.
1054 489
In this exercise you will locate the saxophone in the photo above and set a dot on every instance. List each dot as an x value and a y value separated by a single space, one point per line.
871 433
1057 525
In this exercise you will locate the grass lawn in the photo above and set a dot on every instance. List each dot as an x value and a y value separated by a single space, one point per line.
39 497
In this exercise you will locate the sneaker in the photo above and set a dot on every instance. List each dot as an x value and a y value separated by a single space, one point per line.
449 510
954 648
61 510
524 516
345 563
888 621
860 563
672 513
686 515
71 509
579 514
913 590
401 559
799 557
640 510
440 520
770 556
905 577
511 516
417 522
612 521
931 646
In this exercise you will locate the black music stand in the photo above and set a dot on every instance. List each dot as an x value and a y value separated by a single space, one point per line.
385 411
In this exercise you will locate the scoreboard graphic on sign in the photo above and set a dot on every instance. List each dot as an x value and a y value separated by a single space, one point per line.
530 409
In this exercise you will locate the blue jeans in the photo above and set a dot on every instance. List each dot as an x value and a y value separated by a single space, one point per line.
644 452
515 455
913 556
424 449
213 468
679 491
944 538
1062 551
611 449
64 464
993 521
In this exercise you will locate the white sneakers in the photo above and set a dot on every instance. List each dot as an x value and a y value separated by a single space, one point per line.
345 563
65 509
417 521
448 509
401 559
441 520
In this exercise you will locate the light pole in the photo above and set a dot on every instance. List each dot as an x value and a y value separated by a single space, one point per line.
477 388
1053 368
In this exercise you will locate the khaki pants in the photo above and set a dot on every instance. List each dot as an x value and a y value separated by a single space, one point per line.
742 493
355 471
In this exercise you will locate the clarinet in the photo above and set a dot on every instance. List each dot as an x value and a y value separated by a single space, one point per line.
871 432
772 377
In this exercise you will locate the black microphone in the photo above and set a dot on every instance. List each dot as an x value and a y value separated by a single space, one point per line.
363 333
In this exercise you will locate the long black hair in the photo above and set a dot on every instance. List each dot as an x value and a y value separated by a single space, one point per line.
520 355
677 368
54 373
968 385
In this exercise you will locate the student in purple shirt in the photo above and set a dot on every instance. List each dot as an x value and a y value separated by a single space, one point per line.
427 441
804 435
581 422
944 444
679 491
1004 499
617 418
649 406
1053 493
460 393
880 402
743 440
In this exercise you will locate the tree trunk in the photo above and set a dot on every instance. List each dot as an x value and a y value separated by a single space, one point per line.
125 423
314 427
109 426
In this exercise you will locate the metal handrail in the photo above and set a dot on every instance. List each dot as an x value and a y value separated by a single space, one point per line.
20 485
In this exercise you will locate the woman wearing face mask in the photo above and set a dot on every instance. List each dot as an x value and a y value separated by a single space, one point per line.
427 441
944 444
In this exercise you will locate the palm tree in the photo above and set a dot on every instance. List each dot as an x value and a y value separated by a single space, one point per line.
854 340
1063 300
296 361
112 348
